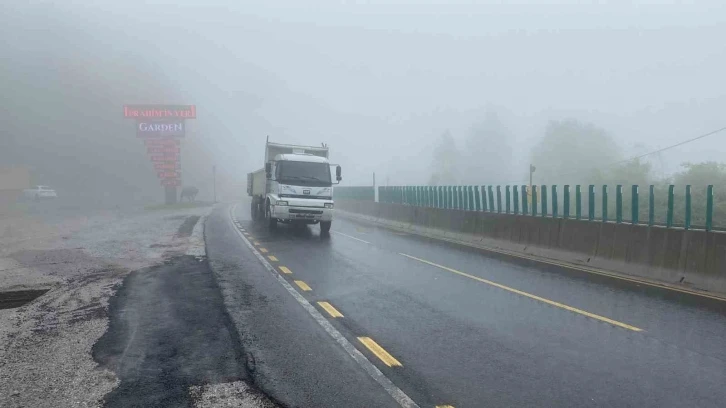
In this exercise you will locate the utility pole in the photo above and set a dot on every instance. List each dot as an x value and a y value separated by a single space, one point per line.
214 182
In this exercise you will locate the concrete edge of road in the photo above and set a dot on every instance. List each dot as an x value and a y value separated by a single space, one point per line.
456 238
396 393
196 245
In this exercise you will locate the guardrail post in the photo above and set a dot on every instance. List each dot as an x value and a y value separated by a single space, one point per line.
554 202
543 193
461 198
430 196
534 200
709 207
651 205
619 203
499 199
491 199
688 207
525 210
507 199
515 199
566 199
473 198
634 205
591 202
578 202
605 203
669 214
477 197
484 205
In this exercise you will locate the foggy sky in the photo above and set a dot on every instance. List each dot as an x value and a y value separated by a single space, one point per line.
380 82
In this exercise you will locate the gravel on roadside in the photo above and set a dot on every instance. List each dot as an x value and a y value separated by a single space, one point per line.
45 346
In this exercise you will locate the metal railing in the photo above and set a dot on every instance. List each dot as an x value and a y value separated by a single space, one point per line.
548 201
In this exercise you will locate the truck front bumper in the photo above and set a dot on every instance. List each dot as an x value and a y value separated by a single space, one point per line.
305 214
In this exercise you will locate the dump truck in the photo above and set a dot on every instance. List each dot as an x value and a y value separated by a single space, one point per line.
294 186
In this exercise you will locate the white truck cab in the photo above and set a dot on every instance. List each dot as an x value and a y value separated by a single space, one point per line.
295 186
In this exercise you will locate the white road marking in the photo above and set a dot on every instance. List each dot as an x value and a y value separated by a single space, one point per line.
395 392
350 236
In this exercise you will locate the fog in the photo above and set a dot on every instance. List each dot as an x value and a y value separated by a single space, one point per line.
379 82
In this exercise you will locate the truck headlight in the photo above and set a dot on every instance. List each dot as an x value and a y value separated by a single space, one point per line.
329 205
281 203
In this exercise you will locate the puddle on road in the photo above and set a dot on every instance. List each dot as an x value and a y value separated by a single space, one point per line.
17 298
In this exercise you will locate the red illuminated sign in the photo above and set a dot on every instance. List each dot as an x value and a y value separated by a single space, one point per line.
164 157
167 166
162 142
171 182
160 111
162 149
168 175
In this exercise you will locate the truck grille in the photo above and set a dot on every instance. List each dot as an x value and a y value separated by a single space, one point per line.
311 212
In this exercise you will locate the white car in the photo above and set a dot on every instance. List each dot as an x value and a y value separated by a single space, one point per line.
40 192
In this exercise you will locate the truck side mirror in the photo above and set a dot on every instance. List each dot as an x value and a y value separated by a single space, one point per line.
338 172
268 169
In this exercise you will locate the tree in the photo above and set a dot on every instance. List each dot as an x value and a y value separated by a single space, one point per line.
699 176
488 154
573 152
445 162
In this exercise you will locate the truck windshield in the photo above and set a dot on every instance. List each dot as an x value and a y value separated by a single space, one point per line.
304 173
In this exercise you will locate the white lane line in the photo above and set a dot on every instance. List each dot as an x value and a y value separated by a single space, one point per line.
351 237
395 392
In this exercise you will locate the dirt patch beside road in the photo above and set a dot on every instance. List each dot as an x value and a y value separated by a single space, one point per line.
45 346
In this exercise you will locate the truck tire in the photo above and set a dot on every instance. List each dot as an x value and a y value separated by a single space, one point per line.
253 210
271 221
325 226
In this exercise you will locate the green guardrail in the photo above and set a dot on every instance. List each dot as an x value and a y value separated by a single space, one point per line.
552 201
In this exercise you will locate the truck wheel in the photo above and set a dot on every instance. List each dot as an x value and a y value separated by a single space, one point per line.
271 222
255 210
325 226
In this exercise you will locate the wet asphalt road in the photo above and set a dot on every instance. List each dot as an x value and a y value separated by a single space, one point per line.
467 329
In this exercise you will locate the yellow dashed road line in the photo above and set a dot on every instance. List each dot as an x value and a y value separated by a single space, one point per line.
382 354
263 250
444 406
529 295
333 312
273 258
256 243
302 285
284 269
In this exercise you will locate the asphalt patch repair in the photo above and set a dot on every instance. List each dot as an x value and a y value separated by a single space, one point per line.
169 330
